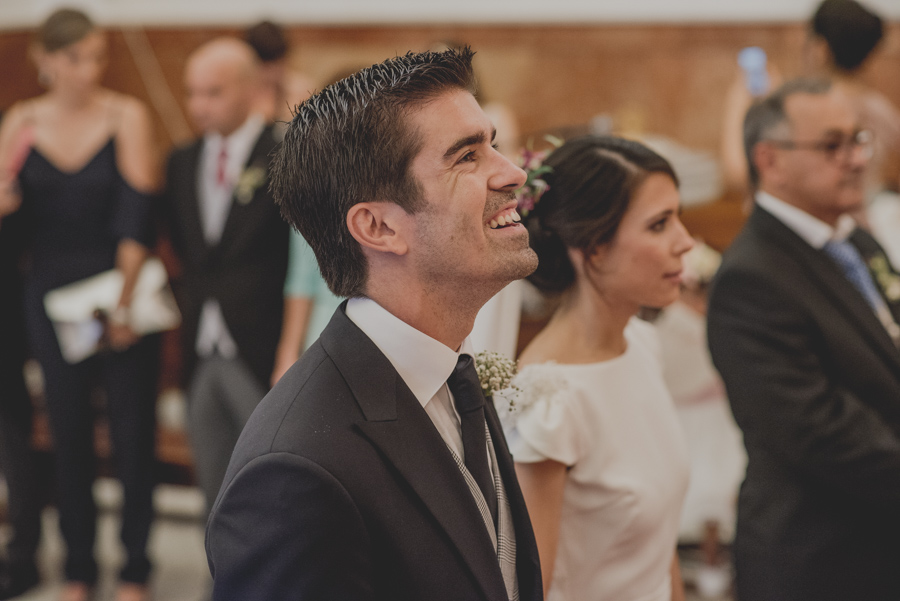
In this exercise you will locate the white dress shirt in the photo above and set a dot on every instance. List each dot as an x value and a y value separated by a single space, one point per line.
422 362
425 364
814 231
215 201
817 234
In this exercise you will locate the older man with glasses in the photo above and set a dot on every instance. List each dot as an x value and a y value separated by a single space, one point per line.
803 326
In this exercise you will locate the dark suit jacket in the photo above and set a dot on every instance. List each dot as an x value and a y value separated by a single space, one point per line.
814 383
245 271
341 488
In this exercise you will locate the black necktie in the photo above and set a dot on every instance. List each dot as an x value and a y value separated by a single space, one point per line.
469 399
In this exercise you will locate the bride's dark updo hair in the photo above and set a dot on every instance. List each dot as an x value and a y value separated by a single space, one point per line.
591 185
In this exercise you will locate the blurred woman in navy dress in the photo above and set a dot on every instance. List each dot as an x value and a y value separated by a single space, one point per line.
80 165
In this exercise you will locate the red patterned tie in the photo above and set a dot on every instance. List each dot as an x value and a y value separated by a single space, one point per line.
222 165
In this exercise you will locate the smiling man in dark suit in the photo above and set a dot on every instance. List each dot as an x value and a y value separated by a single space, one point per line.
232 245
803 328
375 469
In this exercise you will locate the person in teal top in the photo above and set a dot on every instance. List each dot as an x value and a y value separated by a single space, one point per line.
308 305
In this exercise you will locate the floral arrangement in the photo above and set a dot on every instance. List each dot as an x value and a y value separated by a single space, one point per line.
885 277
700 264
495 371
252 178
532 162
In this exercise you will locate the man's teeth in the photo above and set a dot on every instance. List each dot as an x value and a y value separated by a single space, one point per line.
508 219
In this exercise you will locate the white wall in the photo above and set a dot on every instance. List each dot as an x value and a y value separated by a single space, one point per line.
27 13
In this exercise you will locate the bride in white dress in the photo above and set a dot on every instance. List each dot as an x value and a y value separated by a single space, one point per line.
598 449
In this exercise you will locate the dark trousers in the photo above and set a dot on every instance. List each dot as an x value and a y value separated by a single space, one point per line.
17 460
129 379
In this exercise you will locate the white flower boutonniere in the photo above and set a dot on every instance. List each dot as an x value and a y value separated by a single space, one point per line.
251 180
495 372
885 277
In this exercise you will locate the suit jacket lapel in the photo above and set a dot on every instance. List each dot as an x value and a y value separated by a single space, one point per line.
398 426
832 281
193 228
259 157
874 255
527 562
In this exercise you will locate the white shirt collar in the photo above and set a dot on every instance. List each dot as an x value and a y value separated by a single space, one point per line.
241 140
814 231
422 362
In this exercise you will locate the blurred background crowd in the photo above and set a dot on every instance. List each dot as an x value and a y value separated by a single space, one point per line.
123 142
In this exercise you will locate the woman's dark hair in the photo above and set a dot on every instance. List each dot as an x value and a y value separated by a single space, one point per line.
64 27
591 184
851 31
268 41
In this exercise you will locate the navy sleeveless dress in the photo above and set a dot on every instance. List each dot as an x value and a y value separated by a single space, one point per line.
75 221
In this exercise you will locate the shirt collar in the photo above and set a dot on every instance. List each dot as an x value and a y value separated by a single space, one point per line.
242 137
422 362
814 231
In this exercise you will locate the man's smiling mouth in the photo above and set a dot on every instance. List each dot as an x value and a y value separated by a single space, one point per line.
505 219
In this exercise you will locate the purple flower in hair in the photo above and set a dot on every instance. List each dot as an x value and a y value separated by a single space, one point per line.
532 162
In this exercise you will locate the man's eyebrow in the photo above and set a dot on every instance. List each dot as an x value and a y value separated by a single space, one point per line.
473 140
836 132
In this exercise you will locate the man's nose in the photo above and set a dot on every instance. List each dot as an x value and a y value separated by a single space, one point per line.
507 175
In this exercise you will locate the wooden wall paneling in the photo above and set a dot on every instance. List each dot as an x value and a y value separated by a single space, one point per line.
666 79
661 79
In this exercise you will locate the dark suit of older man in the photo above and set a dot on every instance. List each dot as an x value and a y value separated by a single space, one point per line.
805 346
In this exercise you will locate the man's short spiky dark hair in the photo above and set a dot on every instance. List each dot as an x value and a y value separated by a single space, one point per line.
352 143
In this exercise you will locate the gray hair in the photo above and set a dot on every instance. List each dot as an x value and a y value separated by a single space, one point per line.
768 114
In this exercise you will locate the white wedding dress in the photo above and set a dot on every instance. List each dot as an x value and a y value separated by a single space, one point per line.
615 425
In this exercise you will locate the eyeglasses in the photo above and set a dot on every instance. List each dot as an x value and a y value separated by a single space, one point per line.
838 148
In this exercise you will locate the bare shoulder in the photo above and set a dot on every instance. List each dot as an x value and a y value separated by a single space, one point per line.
135 143
22 113
131 111
15 124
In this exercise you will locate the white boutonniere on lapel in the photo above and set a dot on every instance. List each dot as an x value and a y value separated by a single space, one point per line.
495 373
887 280
252 178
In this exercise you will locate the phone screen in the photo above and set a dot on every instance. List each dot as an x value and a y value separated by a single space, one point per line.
752 61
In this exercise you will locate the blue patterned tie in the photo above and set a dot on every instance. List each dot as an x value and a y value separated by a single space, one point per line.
851 262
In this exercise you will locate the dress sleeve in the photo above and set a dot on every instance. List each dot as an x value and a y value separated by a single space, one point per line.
132 215
540 417
303 269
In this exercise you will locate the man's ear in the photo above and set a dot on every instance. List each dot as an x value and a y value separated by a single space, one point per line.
765 157
379 226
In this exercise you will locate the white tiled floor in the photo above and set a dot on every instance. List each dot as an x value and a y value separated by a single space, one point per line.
176 548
